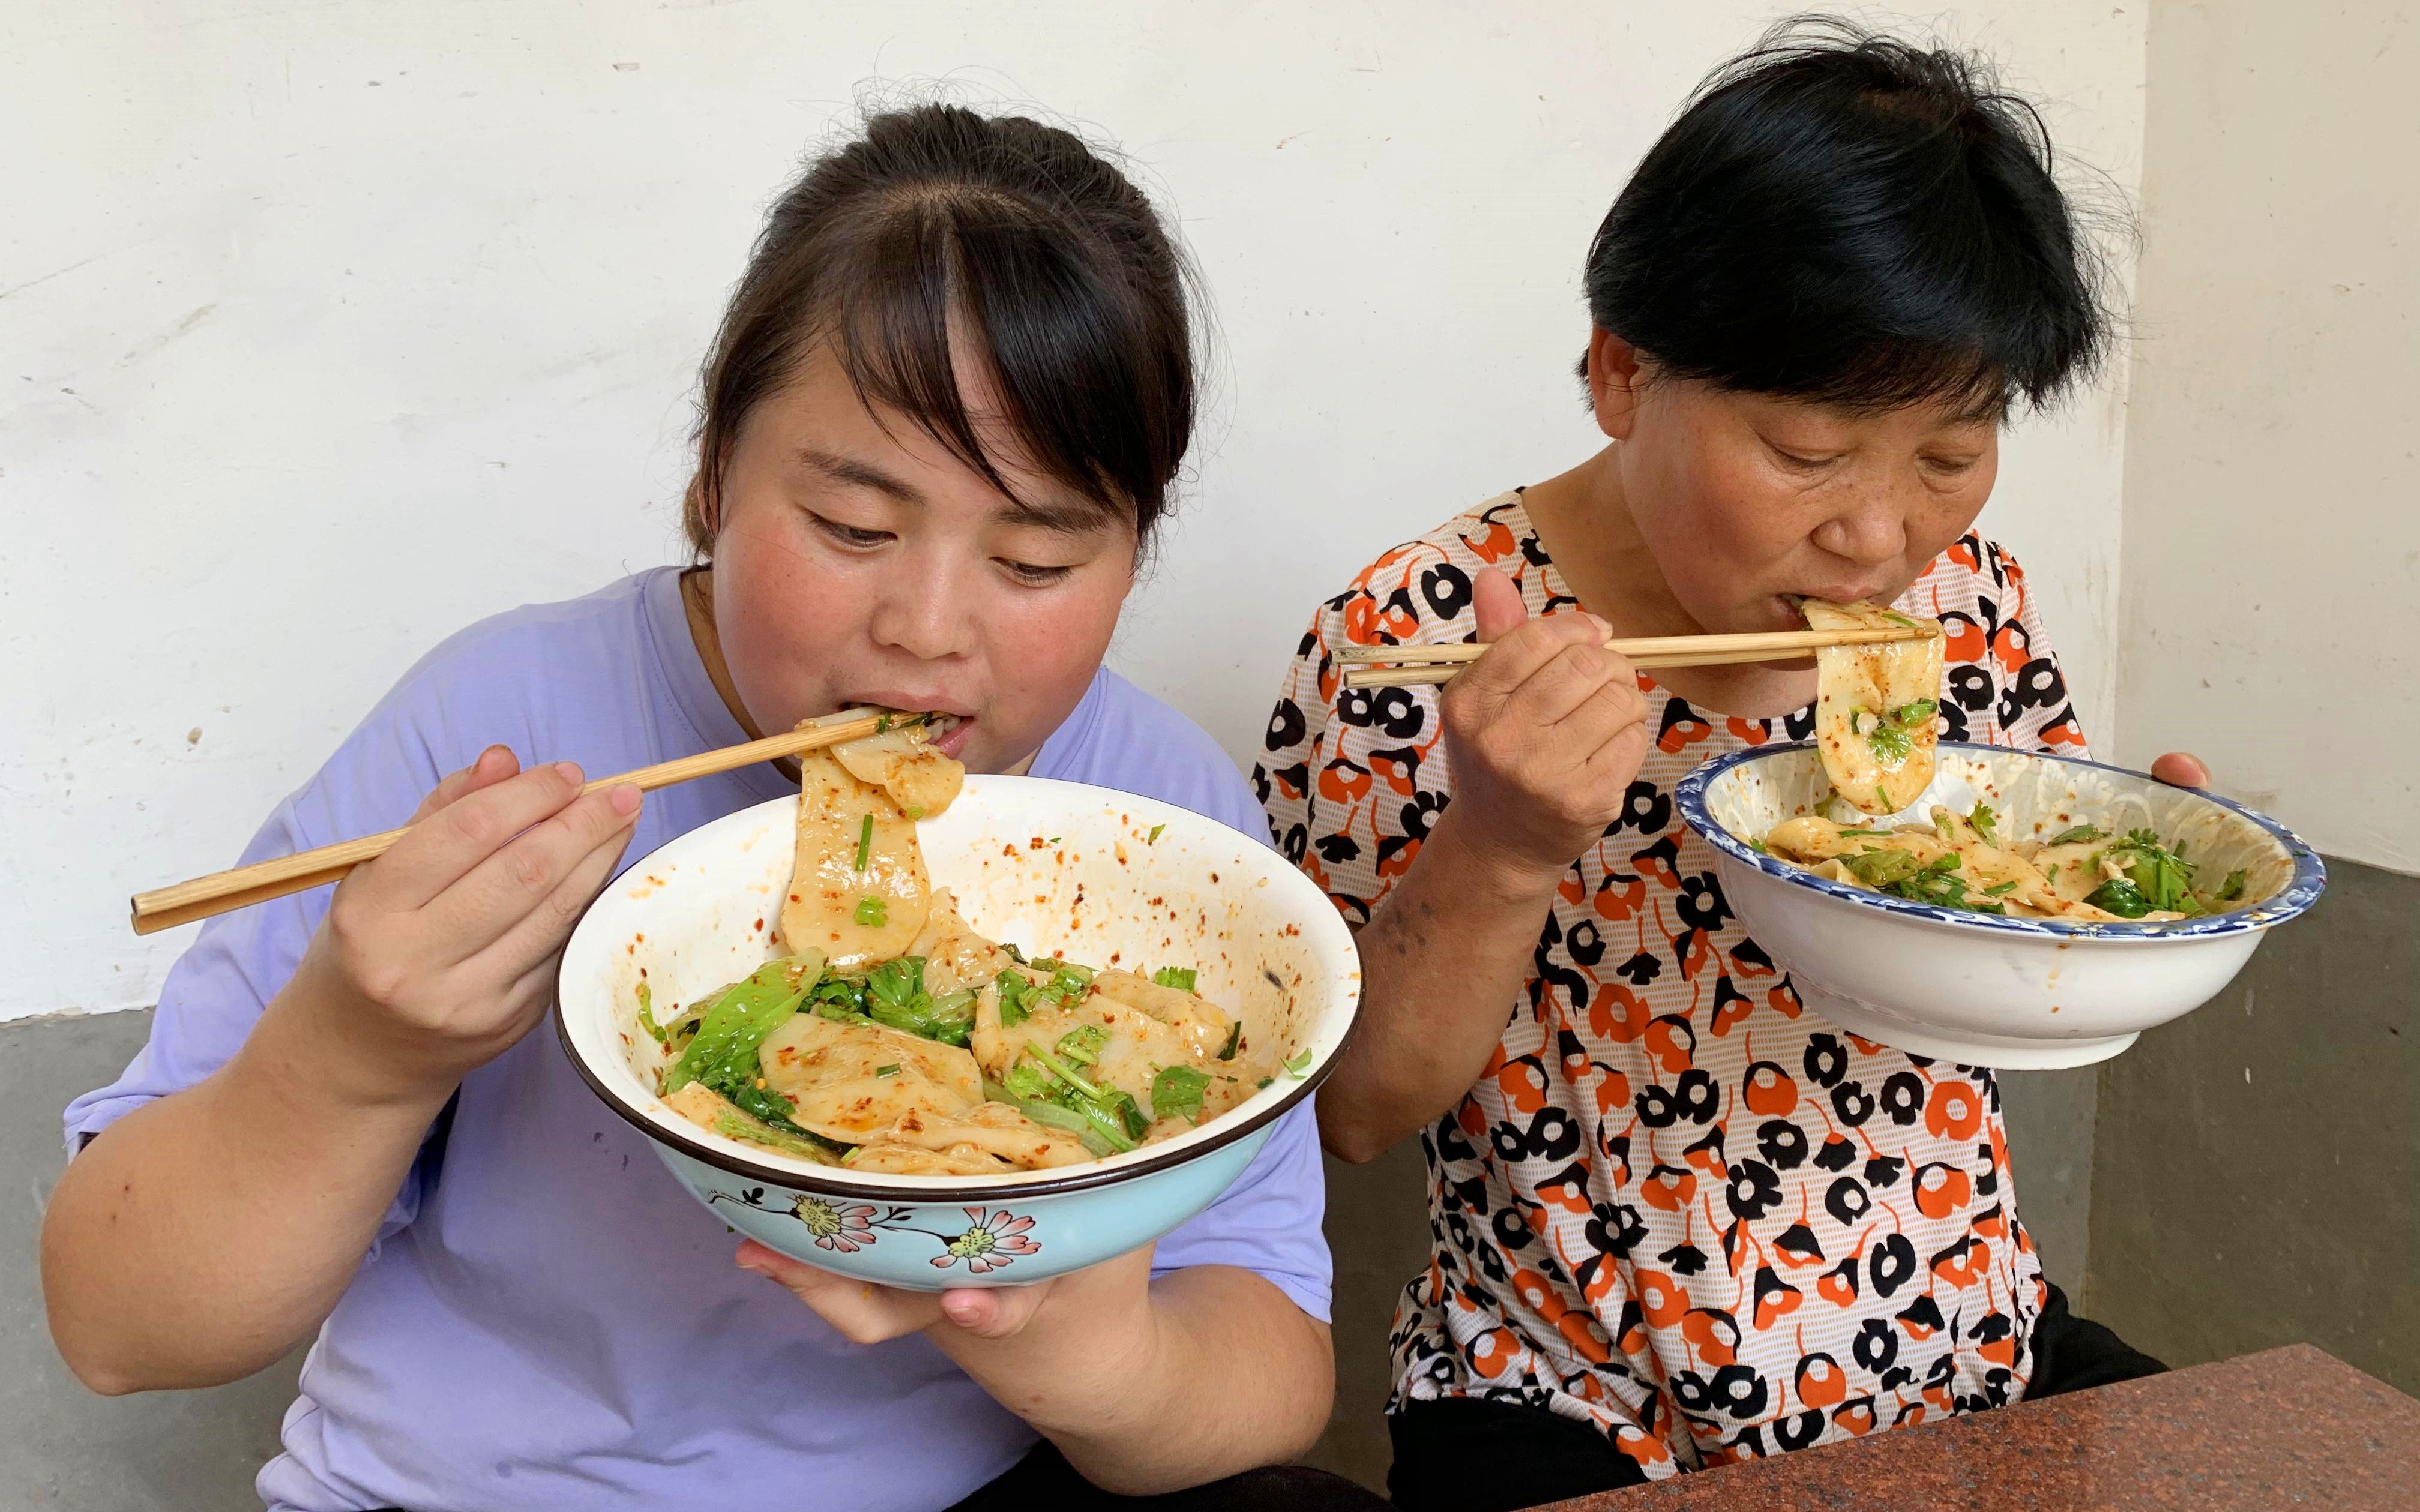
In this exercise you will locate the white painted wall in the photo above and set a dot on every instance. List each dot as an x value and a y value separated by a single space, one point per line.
2272 486
327 329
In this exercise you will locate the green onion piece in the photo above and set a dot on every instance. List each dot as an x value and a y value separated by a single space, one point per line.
1908 715
887 1071
1234 1040
882 724
1296 1064
2232 888
1152 839
656 1030
1897 618
1176 1092
1180 978
865 843
915 811
1757 845
2002 890
873 912
1263 1082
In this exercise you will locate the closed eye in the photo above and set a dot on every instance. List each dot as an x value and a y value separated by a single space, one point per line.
1031 574
851 535
1800 461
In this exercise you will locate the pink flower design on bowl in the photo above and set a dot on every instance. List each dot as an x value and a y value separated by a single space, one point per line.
989 1243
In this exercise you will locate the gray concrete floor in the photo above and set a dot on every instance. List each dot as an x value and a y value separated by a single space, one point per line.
192 1451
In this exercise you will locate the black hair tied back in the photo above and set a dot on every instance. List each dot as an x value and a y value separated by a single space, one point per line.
938 238
1847 218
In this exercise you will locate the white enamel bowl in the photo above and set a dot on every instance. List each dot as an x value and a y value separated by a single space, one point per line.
1086 874
1978 989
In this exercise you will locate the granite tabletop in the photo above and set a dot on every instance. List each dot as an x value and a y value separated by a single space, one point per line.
2282 1428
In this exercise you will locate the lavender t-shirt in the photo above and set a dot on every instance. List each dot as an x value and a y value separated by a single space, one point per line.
547 1320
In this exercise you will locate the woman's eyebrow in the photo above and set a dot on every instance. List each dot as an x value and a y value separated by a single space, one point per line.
1057 517
855 473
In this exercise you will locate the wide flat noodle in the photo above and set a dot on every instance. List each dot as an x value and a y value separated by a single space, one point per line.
1876 706
919 779
851 1082
826 907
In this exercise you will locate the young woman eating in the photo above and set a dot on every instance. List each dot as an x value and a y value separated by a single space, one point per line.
940 421
1678 1220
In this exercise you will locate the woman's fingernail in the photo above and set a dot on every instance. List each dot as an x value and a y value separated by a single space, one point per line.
625 799
963 1311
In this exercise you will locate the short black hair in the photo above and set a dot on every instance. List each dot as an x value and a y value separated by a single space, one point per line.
1018 238
1844 218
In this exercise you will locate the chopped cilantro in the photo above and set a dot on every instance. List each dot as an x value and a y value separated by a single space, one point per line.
1299 1063
1985 822
1152 839
1180 978
1014 991
1176 1092
2119 897
2077 835
2231 888
1083 1043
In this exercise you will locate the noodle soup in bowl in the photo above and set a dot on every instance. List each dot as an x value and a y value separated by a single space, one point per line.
1979 988
1084 874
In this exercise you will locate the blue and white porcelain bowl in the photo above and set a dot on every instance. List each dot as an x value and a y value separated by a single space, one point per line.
1979 989
1087 874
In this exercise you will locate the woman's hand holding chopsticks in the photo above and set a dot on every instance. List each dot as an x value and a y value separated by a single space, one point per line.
1546 732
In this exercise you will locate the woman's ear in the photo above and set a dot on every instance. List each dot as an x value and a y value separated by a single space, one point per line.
1614 377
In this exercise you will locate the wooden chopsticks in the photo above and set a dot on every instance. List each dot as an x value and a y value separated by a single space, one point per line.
224 891
1428 665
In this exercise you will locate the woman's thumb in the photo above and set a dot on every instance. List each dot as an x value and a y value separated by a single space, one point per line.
1495 603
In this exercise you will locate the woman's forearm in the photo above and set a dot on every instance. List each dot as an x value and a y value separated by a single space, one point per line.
202 1236
1442 961
1127 1382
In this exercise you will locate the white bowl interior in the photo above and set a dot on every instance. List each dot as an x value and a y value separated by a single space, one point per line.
2032 799
1089 874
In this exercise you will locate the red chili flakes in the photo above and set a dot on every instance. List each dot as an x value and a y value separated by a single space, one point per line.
1008 850
1036 843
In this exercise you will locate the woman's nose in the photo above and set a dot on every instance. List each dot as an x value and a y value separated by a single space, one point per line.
1870 530
923 614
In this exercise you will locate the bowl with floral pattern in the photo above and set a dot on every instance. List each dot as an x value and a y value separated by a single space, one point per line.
1085 873
1985 989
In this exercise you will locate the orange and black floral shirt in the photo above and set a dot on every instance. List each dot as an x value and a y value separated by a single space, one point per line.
1677 1205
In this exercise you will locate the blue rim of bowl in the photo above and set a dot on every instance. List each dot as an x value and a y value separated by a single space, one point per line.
2310 876
801 1178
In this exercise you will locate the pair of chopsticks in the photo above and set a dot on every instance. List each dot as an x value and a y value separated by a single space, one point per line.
224 891
1429 665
